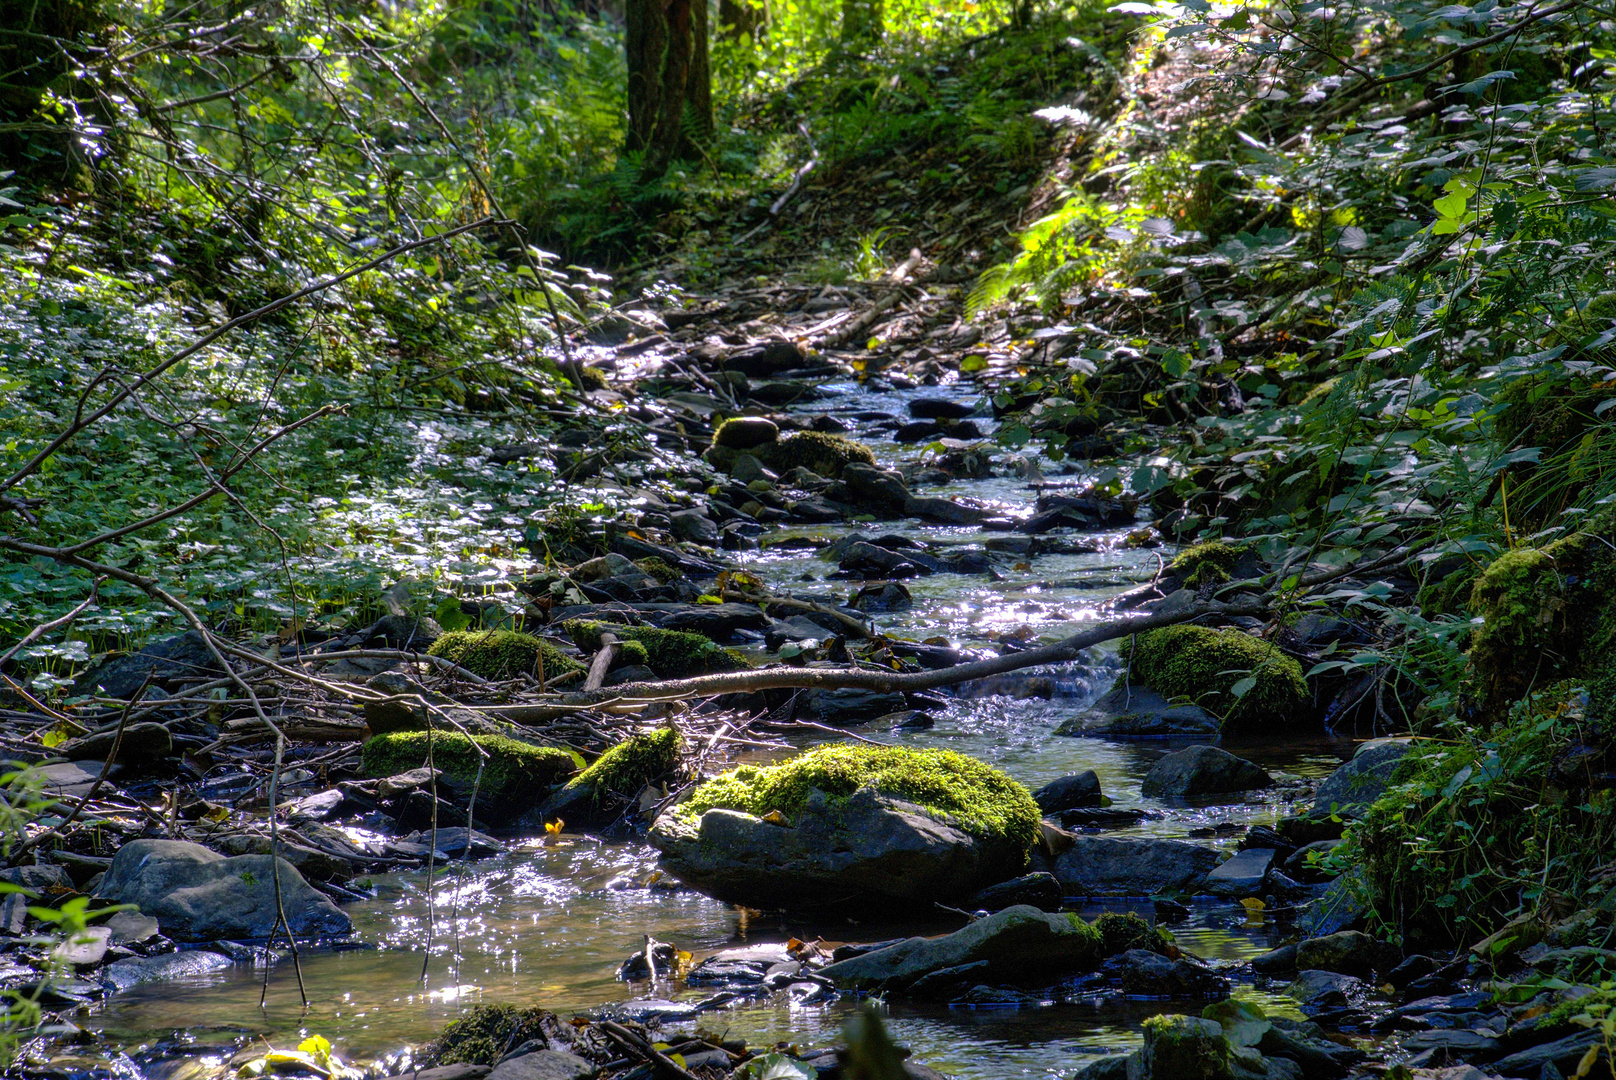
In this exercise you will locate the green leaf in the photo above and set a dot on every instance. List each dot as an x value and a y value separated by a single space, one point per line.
1451 206
974 362
1243 687
778 1067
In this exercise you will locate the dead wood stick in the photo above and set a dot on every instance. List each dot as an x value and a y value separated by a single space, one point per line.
881 307
640 1048
604 658
781 678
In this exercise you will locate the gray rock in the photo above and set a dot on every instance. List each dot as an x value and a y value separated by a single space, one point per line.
1275 961
1114 1067
1304 1042
85 949
748 468
1564 1054
1301 864
941 409
1453 1043
37 877
885 597
1137 712
1313 985
1039 890
180 656
70 779
1116 866
131 928
764 358
880 489
1362 780
142 746
1017 944
175 965
1242 875
460 1071
1338 909
1069 792
1350 952
543 1065
199 895
407 632
1140 971
871 561
835 853
846 706
1202 770
941 511
695 526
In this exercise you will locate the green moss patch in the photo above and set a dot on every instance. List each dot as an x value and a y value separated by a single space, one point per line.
1477 830
502 654
1119 932
626 768
488 1032
817 451
512 768
672 654
1547 613
1211 563
986 803
658 568
1207 666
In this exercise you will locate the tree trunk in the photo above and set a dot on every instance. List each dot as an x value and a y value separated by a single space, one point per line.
862 21
668 76
739 19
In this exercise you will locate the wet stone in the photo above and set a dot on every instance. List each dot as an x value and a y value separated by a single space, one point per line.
1242 875
1069 792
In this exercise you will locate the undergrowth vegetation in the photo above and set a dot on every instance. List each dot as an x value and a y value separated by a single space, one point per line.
1355 259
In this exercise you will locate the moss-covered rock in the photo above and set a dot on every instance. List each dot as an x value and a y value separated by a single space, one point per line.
594 379
514 772
1547 613
1440 857
488 1032
1119 932
656 567
987 803
1206 665
672 654
626 768
816 451
502 654
1211 563
1185 1048
632 654
1552 413
746 432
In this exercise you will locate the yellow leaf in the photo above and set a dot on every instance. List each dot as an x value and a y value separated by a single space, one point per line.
1589 1060
775 817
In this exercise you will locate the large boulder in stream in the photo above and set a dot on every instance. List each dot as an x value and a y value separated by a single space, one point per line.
199 895
847 824
1019 944
1202 770
1131 711
1118 866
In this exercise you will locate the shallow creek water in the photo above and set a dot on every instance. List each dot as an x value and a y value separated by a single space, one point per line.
549 926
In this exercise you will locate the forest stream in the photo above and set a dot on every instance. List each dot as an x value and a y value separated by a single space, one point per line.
548 926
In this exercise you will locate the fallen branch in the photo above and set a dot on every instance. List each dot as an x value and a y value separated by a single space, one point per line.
853 329
784 678
609 648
